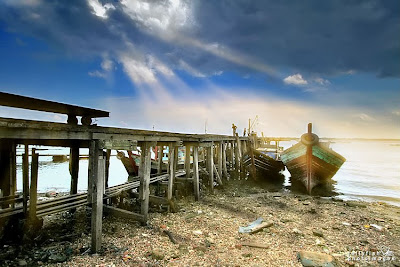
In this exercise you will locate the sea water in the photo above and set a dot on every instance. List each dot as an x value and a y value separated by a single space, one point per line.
371 171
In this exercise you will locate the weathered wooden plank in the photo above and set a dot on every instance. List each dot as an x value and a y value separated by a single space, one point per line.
97 200
187 161
210 168
160 157
224 163
33 186
18 101
123 213
144 174
220 152
171 165
196 183
74 168
219 180
25 179
119 144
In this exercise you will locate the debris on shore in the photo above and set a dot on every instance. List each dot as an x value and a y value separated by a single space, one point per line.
205 233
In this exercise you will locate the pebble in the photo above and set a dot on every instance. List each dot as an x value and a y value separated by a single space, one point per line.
22 263
197 232
310 258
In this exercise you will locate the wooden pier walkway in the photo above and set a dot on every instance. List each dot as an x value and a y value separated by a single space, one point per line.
220 153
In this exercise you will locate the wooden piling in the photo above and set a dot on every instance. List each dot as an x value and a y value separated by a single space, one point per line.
144 189
196 182
97 190
25 179
74 168
160 155
13 171
33 187
171 166
232 153
220 156
107 174
210 164
225 170
187 161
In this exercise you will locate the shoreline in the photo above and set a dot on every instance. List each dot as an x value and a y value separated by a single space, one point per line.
206 232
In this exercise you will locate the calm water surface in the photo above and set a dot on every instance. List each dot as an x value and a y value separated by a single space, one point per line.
371 172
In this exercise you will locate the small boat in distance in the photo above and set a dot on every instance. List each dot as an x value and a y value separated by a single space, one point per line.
311 162
263 166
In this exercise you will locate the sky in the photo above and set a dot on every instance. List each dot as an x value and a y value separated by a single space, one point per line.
199 66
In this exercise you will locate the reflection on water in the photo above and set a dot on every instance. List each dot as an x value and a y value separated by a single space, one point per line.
371 172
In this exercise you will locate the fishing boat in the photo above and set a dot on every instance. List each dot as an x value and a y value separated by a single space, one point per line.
310 162
261 165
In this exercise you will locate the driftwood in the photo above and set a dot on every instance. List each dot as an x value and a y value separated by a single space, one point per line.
255 245
261 226
171 237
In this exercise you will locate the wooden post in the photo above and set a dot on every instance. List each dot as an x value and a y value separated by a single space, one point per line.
92 168
97 190
160 157
171 165
144 170
25 179
187 161
196 183
244 147
231 150
220 151
176 152
33 189
74 168
107 174
224 145
13 171
210 164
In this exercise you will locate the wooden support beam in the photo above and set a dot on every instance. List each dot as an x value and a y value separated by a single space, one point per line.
219 180
74 168
244 147
196 183
171 166
160 157
225 170
25 179
232 153
33 188
210 168
220 152
123 213
176 157
144 174
107 174
187 161
97 196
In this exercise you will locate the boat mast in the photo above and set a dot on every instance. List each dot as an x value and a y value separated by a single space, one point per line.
309 159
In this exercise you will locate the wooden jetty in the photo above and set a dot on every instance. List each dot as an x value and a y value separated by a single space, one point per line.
220 153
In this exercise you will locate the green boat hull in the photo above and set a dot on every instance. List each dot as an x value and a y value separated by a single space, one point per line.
324 164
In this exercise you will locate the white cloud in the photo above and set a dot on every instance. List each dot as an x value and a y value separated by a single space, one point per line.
100 10
189 69
295 79
137 70
396 112
364 117
321 81
107 66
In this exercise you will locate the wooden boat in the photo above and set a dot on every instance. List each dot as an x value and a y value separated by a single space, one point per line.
263 166
311 162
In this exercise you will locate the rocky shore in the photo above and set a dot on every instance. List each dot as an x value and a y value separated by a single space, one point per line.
295 230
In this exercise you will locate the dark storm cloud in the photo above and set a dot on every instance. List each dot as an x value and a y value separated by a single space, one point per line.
311 37
325 37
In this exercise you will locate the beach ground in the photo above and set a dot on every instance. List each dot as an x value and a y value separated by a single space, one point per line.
205 233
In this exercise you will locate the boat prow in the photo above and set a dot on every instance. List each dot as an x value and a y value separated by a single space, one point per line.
311 162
